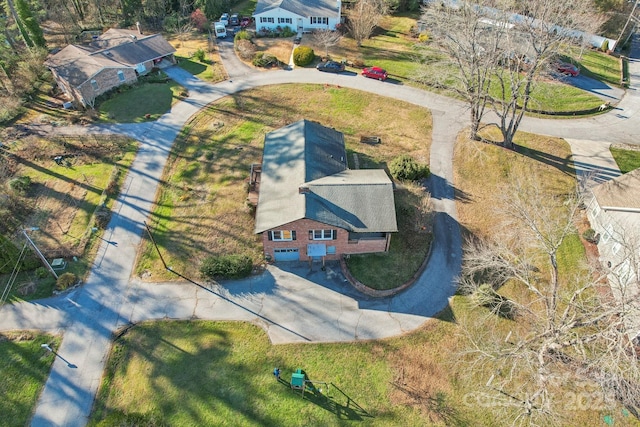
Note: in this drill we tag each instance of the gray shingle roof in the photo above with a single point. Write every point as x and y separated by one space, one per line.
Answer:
305 8
621 192
308 154
115 48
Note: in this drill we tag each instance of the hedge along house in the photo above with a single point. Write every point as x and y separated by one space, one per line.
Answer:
614 214
300 15
311 206
117 57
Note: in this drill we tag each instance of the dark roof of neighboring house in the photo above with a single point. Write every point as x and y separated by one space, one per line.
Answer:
116 48
309 155
303 8
621 192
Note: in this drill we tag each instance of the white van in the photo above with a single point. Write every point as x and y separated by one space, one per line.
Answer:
220 29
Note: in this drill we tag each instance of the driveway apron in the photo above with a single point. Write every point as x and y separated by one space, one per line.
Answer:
320 306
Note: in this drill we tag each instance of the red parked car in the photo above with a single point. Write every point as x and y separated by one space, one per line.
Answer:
567 69
375 73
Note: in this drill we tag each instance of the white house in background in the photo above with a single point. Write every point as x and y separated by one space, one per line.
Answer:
614 214
299 15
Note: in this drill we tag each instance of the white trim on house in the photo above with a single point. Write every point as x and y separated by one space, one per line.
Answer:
301 15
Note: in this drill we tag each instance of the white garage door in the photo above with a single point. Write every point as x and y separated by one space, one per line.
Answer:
286 254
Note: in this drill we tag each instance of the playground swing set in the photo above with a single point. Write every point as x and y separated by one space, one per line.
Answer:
300 381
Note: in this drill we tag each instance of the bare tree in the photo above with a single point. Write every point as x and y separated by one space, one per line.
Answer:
364 17
327 38
568 327
470 47
499 49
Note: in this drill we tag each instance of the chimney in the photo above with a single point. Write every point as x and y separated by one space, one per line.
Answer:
138 26
303 189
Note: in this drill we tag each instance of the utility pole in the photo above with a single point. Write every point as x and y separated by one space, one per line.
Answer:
37 251
631 16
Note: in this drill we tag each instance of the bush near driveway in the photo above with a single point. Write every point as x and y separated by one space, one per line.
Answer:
303 56
226 267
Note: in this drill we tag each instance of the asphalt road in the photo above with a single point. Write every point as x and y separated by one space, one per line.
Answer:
320 306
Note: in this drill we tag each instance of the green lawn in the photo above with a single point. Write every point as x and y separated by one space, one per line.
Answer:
205 373
64 201
627 160
140 103
597 65
25 367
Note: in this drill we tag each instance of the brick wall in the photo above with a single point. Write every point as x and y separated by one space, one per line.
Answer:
342 243
107 79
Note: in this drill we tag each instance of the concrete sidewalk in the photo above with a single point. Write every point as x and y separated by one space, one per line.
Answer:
321 307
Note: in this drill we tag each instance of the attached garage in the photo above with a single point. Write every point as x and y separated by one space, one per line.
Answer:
290 254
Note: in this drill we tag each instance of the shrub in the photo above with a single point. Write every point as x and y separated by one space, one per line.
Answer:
20 184
242 35
41 272
423 37
303 55
65 281
199 55
590 235
405 168
287 32
263 59
226 267
246 50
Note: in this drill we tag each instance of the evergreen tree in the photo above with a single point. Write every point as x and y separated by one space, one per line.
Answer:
30 24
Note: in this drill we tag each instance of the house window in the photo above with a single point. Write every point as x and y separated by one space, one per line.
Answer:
331 250
616 248
284 21
608 233
141 68
319 20
120 75
266 20
94 84
322 234
282 235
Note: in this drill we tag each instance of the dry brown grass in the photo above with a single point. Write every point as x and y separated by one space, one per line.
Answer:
281 48
484 171
202 209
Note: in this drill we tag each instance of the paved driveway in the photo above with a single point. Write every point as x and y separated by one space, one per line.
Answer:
292 303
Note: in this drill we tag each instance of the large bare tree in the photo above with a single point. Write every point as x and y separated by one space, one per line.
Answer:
364 17
498 49
327 38
568 326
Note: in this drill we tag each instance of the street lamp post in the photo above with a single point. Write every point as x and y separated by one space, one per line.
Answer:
48 347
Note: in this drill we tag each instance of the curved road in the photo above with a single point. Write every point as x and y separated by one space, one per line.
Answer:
320 306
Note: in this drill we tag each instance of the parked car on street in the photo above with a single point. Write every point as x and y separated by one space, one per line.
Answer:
330 67
234 20
375 73
224 19
567 69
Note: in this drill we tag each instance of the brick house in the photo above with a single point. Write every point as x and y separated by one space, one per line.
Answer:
311 205
114 58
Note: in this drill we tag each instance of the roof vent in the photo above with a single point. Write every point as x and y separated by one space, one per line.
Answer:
303 189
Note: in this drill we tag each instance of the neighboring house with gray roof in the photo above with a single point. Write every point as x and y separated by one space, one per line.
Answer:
614 214
299 15
117 57
311 205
